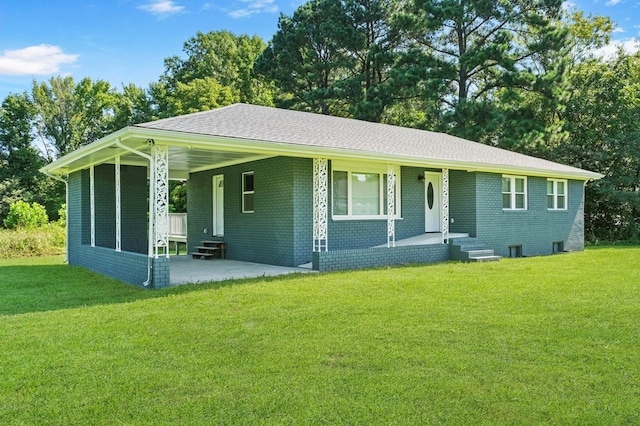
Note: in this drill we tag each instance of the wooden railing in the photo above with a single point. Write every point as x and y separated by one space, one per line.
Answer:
177 225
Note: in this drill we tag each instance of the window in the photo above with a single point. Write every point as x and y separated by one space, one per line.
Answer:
556 194
557 247
247 192
515 251
514 193
361 191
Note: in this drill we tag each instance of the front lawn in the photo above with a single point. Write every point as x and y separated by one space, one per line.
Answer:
548 340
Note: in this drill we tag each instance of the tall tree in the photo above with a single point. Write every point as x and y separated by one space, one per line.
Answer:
601 118
334 57
217 71
70 115
478 47
306 57
19 161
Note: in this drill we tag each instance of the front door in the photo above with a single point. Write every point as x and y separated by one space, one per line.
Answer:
432 201
218 205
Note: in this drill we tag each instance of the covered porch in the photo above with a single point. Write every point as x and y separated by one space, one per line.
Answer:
186 270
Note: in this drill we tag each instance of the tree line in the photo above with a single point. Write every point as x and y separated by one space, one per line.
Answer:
520 75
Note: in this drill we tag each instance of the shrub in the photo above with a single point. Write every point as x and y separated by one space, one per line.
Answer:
44 241
24 215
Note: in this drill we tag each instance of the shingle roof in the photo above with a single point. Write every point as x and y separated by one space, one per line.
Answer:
294 128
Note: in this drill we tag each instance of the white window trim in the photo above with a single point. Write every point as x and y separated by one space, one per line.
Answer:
555 195
355 167
512 193
244 192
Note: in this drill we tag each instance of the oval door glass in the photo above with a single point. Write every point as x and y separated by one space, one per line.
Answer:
430 195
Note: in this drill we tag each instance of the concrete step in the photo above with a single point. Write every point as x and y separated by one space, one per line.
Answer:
201 255
472 247
492 258
480 252
207 249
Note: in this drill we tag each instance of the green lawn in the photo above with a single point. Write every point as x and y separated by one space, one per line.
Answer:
547 340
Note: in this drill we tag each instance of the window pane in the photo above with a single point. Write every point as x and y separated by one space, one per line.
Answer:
550 201
365 196
340 196
561 202
519 185
506 201
549 187
560 188
519 201
248 182
506 184
248 202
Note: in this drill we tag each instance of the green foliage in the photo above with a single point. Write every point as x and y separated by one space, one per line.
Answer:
44 241
26 216
62 215
333 57
178 196
601 119
217 71
71 114
477 48
513 342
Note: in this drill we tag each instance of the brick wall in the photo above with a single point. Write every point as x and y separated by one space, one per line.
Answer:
351 234
374 257
536 228
462 202
105 205
267 235
127 266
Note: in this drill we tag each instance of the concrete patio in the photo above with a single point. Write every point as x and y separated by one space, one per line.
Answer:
185 270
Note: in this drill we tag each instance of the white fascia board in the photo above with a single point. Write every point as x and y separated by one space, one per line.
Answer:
93 147
271 148
288 149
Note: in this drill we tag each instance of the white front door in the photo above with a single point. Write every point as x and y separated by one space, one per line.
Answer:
218 205
432 201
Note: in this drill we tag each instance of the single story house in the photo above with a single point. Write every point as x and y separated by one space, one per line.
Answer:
289 188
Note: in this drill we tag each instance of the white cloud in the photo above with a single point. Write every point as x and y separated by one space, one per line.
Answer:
613 2
162 8
43 59
254 7
629 46
618 30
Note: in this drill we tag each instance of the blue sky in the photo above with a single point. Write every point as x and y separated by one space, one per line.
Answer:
126 41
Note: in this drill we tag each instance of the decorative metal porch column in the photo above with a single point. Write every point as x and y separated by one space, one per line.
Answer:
445 205
118 207
92 204
159 179
391 205
320 204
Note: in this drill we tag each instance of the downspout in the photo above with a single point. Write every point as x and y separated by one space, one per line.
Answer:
151 192
66 207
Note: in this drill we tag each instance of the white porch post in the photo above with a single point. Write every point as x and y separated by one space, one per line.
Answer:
320 203
159 181
445 205
118 207
391 203
92 204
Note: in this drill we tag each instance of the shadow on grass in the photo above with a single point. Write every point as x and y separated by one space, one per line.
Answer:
39 288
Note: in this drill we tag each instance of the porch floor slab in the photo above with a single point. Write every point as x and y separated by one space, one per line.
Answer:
185 270
424 239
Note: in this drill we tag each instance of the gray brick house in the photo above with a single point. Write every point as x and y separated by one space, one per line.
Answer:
290 188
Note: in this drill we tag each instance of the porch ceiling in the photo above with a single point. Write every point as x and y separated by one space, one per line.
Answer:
183 159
